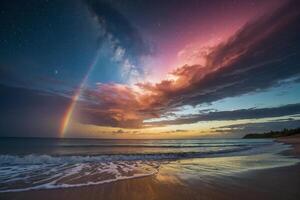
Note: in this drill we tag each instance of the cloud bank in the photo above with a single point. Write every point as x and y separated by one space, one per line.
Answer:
260 55
252 113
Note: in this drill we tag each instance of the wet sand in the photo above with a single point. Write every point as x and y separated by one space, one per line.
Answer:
275 183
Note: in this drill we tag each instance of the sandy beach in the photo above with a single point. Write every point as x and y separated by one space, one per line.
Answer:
272 183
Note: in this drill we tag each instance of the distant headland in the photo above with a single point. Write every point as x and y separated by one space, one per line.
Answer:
273 134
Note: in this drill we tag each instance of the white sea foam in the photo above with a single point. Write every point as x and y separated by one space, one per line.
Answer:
50 176
53 185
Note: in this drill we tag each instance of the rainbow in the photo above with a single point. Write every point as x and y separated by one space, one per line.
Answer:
69 112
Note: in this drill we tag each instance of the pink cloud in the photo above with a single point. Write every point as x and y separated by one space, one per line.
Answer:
252 59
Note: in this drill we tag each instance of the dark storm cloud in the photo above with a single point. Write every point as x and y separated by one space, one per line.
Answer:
260 55
251 113
117 27
257 57
26 112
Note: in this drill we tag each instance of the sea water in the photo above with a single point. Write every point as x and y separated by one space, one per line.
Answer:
35 163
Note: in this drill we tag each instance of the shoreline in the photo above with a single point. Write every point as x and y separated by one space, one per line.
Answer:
271 183
294 141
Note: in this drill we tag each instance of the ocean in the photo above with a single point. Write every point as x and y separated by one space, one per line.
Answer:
36 163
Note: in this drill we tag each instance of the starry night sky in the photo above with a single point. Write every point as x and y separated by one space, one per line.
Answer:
148 69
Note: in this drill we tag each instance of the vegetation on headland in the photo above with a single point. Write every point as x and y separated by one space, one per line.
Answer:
273 134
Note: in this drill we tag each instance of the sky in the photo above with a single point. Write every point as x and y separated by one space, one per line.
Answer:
134 69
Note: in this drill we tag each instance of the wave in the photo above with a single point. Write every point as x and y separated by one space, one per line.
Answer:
53 186
70 175
34 172
48 159
169 144
11 159
151 146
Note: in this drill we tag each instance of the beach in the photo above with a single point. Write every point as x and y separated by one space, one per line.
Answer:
270 183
